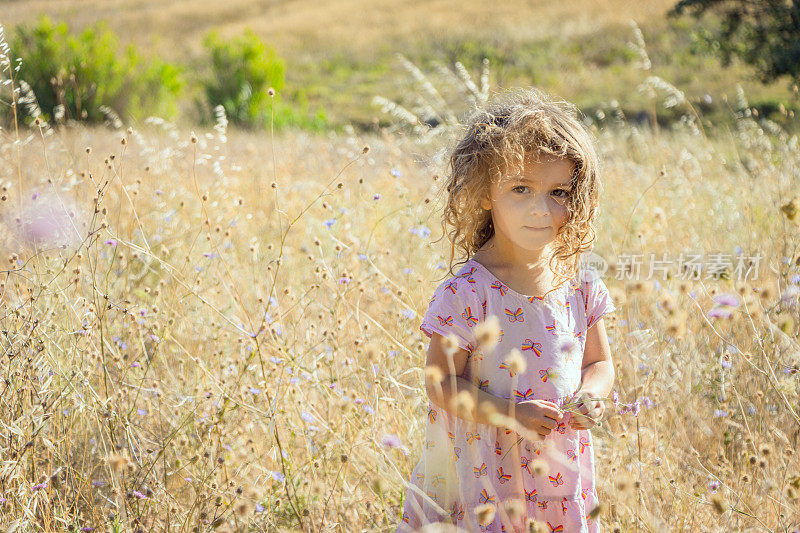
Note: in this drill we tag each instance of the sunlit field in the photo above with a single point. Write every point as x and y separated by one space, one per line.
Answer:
218 330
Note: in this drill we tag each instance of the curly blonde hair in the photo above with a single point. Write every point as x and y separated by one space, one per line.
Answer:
495 142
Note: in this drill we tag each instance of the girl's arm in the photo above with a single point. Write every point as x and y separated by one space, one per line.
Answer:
443 382
597 372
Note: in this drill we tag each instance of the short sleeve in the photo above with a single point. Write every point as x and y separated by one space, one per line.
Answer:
598 300
454 309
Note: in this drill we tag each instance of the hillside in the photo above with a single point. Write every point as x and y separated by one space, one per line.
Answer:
341 53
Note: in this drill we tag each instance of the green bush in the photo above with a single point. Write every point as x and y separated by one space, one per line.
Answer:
85 72
241 72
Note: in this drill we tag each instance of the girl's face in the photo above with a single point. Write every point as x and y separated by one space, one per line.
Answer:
529 209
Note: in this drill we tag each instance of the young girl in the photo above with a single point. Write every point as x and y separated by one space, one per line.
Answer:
518 360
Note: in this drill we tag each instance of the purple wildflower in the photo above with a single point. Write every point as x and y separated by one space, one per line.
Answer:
111 242
719 413
727 298
139 495
376 196
330 222
308 417
713 485
636 407
391 441
39 486
277 476
718 312
396 173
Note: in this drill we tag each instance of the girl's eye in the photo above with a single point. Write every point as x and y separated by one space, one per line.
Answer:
516 189
564 191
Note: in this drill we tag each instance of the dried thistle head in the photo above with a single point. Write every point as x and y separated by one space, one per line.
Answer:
514 508
485 513
487 333
719 504
539 467
535 526
516 362
462 403
433 374
118 462
450 344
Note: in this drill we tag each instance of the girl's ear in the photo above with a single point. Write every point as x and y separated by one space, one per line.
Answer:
486 203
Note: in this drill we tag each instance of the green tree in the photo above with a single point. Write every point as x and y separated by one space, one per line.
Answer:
84 72
763 33
242 70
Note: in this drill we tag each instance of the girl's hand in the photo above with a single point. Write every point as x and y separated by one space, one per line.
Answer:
588 413
540 416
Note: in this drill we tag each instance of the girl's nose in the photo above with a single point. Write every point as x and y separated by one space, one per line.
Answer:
539 205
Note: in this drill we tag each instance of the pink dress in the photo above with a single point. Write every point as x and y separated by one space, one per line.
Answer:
464 464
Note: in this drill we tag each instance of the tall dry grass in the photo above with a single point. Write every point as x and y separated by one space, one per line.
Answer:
220 330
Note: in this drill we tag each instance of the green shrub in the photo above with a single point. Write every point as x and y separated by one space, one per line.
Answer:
242 70
85 72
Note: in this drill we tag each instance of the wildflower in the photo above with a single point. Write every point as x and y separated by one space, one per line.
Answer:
719 413
277 476
636 407
391 441
421 231
376 196
396 173
111 242
329 222
253 390
718 312
39 486
141 412
725 363
713 485
727 298
139 495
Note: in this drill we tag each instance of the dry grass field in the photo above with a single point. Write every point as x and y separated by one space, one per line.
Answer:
223 334
217 330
